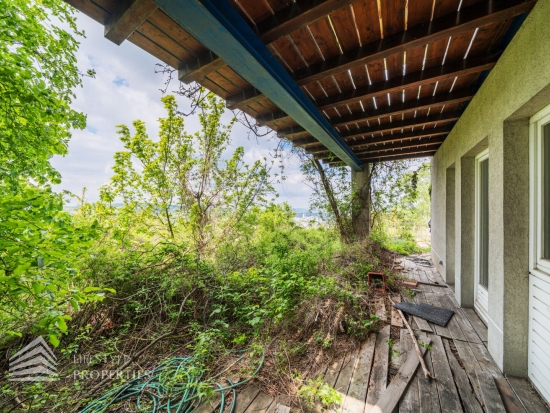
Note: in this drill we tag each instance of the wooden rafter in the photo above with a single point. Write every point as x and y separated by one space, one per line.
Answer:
127 19
386 128
376 150
444 27
411 80
387 159
420 133
393 110
298 14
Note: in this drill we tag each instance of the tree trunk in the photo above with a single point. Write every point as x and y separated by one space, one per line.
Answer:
360 218
344 233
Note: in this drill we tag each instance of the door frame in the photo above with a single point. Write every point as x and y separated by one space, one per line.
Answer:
539 267
481 294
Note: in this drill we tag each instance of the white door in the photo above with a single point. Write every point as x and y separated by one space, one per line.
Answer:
539 251
481 261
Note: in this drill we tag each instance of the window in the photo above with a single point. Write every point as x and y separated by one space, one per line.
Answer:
481 240
540 191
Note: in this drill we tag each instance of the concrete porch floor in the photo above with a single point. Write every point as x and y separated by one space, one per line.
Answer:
466 377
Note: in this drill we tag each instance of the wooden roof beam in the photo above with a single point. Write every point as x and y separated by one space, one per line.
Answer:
397 137
127 19
395 109
468 18
390 156
392 146
295 16
218 26
397 84
387 159
424 121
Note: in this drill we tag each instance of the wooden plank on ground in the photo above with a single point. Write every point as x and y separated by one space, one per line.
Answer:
245 398
448 395
427 389
354 401
344 378
528 396
485 360
511 402
261 403
410 402
211 405
440 331
420 322
465 325
452 325
491 397
470 364
379 376
479 327
469 400
396 319
391 396
380 308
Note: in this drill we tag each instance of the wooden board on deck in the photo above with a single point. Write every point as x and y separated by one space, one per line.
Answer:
410 402
379 376
446 388
528 396
396 319
468 396
491 398
245 398
380 308
354 402
475 321
391 396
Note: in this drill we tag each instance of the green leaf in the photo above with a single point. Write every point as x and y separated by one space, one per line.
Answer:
54 340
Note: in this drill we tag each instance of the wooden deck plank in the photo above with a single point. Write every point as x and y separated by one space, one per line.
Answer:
380 309
346 372
210 405
470 364
354 401
485 360
427 389
440 331
420 322
463 321
410 402
452 325
491 398
448 395
469 400
511 402
528 396
379 376
245 398
389 400
261 403
396 319
475 321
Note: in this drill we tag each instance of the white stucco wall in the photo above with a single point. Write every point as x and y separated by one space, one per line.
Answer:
496 118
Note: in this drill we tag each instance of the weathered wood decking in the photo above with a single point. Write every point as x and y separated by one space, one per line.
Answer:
466 377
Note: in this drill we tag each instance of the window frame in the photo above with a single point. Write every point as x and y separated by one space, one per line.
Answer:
537 263
481 297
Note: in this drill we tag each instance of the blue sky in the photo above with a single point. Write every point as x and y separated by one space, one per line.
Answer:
126 88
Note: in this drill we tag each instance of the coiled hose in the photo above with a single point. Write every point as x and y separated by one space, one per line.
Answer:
171 387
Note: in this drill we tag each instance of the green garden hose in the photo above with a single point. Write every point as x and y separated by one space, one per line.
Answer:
171 387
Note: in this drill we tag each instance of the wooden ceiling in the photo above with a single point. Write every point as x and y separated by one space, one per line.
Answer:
390 76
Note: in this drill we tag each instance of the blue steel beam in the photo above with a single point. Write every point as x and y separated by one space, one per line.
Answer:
217 25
